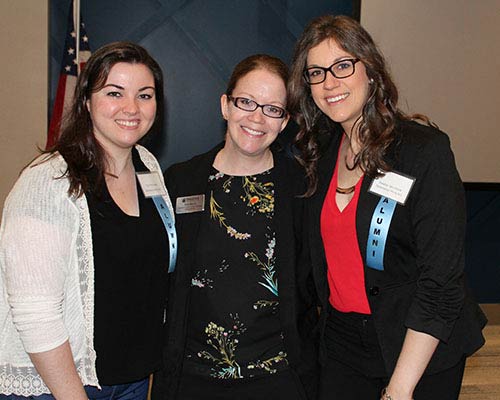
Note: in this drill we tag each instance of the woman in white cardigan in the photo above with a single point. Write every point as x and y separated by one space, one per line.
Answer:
84 253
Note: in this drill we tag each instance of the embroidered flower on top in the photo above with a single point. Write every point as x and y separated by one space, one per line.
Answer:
267 364
201 280
225 342
268 266
217 214
216 176
258 196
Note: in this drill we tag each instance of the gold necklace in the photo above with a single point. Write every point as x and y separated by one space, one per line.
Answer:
348 190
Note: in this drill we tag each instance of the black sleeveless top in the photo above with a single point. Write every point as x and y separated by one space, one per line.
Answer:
131 262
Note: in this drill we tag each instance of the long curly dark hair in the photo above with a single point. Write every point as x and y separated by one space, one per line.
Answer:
380 112
77 144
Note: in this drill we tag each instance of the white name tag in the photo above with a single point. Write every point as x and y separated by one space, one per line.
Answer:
393 185
151 184
190 204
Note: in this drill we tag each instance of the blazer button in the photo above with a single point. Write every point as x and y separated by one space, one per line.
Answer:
374 291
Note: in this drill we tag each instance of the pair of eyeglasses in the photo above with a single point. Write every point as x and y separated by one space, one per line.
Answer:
249 105
340 70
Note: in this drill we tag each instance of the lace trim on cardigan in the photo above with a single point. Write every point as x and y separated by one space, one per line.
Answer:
87 370
24 381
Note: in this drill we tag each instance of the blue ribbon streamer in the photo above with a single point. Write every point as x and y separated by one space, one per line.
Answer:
169 224
377 236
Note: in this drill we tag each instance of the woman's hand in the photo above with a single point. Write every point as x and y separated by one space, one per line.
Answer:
385 395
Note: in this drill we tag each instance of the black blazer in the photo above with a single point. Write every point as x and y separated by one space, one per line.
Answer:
297 312
422 285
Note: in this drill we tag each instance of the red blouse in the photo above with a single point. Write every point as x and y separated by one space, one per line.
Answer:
345 266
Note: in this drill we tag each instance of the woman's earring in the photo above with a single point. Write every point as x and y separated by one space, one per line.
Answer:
371 80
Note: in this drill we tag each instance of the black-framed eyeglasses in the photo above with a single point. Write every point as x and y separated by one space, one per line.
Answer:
249 105
340 70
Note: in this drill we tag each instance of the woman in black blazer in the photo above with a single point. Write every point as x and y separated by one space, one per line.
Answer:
386 224
238 326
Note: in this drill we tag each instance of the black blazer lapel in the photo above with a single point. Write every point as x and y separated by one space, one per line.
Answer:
187 225
283 214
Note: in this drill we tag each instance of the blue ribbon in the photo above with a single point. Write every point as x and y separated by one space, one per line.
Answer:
169 224
377 236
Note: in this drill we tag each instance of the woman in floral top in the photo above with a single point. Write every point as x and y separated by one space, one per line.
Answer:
239 291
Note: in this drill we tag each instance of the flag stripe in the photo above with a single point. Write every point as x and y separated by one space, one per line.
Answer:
57 112
68 75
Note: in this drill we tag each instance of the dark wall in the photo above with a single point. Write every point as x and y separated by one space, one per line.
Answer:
197 43
482 243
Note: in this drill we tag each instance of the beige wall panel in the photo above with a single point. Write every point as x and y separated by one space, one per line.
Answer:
445 58
23 88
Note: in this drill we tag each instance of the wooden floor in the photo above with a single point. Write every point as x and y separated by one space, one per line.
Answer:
482 371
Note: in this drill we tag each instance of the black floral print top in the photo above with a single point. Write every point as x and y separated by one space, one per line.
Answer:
233 326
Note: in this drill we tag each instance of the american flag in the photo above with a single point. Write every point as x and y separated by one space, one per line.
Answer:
74 58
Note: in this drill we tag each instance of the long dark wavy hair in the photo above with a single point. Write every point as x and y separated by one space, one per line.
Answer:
77 144
380 112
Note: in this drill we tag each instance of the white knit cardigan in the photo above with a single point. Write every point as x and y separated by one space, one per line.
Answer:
47 275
